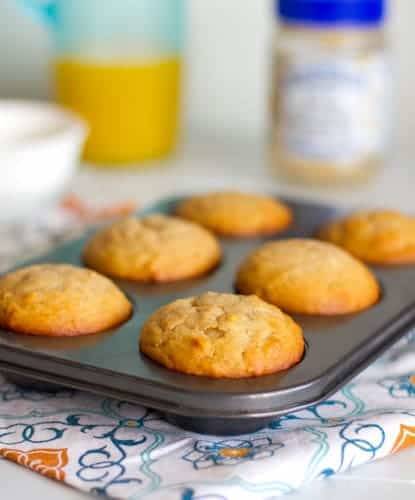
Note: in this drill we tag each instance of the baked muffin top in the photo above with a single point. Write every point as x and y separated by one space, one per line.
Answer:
383 237
236 214
222 336
156 248
309 277
60 300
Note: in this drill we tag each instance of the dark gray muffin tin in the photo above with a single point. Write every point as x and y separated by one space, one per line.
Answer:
110 364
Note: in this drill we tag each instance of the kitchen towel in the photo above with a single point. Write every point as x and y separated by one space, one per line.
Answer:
119 450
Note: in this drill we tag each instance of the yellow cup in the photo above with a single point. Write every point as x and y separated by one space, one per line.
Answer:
131 105
118 65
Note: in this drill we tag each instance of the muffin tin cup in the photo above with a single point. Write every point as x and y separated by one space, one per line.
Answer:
110 364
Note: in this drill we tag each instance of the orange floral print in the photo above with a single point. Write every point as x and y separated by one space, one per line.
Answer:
234 452
87 213
48 462
405 439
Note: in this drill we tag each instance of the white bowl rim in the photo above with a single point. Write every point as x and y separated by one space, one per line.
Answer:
68 121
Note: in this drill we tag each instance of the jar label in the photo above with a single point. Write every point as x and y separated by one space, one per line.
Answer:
333 110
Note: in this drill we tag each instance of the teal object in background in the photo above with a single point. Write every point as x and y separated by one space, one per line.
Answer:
155 26
118 65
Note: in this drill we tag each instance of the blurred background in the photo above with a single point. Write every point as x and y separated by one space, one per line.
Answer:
221 35
228 55
229 50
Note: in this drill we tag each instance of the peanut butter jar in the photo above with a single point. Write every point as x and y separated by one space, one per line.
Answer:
330 90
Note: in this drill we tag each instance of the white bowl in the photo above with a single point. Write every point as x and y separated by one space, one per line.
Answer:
40 147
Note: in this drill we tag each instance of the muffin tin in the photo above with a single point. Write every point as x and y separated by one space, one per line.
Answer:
110 363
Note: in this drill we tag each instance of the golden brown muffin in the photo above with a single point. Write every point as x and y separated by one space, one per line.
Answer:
231 213
383 237
308 277
60 300
222 336
157 248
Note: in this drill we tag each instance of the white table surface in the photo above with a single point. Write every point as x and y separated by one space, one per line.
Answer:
202 165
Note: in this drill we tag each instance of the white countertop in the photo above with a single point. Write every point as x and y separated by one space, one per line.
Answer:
207 163
202 165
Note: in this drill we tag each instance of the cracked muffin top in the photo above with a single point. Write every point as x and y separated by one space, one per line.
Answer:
236 214
384 237
306 276
222 336
60 300
156 248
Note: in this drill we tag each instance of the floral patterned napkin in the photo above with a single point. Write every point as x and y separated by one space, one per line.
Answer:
116 449
119 450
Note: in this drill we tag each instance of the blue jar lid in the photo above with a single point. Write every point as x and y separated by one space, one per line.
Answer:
350 12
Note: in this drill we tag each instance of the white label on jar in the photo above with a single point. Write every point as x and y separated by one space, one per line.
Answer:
334 110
